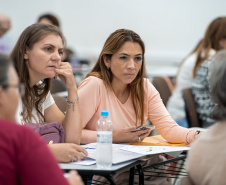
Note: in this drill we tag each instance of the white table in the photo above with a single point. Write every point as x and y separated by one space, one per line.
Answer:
90 171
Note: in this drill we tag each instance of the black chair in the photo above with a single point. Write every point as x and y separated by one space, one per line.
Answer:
164 86
190 108
163 169
60 102
57 86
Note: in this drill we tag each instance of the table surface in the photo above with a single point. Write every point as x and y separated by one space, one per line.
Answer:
94 170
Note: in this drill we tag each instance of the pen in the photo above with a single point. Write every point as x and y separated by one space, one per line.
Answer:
89 148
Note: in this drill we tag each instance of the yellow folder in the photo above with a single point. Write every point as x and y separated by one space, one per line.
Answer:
157 140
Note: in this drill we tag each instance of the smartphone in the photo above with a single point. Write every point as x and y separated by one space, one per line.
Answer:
144 127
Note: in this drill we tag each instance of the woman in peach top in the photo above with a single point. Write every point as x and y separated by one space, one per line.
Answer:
117 83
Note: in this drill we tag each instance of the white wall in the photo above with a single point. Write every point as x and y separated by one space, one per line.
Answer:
169 28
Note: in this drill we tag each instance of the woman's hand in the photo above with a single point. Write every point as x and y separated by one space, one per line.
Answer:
128 135
74 178
72 121
65 73
66 152
196 136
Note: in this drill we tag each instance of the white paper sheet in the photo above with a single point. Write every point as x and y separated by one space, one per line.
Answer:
118 155
125 152
86 161
149 150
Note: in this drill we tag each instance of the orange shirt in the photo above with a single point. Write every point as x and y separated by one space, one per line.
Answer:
94 97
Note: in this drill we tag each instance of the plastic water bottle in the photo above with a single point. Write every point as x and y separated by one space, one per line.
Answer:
104 141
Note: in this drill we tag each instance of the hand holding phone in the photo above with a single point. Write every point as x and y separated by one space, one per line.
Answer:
144 127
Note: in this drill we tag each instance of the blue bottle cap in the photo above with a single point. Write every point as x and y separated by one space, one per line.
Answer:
104 113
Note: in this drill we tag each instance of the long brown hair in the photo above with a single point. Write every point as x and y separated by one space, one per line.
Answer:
113 43
34 96
214 33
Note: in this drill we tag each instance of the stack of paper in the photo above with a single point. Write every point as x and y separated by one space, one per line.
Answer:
125 152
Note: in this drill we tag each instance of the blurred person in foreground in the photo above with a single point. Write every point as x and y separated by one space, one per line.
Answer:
209 150
184 79
21 148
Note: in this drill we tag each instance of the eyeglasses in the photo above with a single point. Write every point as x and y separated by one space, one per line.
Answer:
20 87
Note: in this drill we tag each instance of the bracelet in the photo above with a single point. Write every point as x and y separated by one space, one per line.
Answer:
72 102
197 133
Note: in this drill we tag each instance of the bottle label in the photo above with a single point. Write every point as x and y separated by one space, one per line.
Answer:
104 137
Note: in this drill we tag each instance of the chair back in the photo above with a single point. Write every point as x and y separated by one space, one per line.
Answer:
60 102
164 86
190 108
57 86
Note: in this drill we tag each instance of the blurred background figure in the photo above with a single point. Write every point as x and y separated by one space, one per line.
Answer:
184 79
209 150
22 149
5 25
213 41
193 73
67 56
49 19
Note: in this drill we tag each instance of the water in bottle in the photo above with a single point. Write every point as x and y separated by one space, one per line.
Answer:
104 141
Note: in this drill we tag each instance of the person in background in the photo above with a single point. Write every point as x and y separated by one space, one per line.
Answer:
67 56
49 19
5 25
20 150
214 40
184 79
209 150
118 84
37 58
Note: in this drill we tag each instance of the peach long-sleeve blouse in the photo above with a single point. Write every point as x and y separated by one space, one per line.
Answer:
94 97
